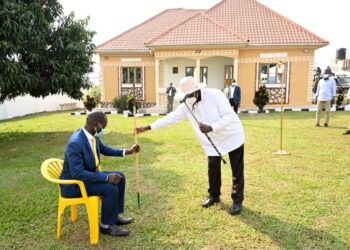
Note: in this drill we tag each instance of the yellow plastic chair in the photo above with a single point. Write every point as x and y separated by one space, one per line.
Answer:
51 170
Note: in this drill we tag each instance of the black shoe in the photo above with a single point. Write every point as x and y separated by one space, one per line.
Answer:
326 125
123 221
347 132
236 209
317 125
114 230
210 201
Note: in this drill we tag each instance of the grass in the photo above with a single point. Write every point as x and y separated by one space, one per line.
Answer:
299 201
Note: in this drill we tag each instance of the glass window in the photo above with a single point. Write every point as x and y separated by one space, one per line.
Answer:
189 71
125 75
228 72
204 74
138 75
132 75
272 73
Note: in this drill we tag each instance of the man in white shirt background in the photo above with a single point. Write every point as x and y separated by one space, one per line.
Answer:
347 132
326 91
221 123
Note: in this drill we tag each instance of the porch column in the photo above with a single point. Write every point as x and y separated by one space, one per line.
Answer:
235 69
156 65
198 70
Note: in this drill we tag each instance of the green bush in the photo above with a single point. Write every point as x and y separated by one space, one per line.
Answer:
339 99
261 98
89 102
95 92
121 103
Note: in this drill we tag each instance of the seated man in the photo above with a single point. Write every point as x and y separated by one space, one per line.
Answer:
81 162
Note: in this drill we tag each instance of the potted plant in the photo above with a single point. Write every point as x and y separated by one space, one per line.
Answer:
120 103
261 98
89 102
339 100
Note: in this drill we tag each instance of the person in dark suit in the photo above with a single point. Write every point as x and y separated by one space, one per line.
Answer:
81 162
170 91
233 94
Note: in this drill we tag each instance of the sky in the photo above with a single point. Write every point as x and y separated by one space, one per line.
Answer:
327 19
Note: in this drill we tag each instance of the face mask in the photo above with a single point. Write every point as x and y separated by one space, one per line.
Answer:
326 76
99 133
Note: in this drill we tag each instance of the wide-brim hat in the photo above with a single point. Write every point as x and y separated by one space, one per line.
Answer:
188 85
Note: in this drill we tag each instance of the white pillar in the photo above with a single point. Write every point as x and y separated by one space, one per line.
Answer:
235 69
156 65
198 70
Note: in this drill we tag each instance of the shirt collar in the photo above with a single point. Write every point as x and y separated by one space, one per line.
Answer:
88 135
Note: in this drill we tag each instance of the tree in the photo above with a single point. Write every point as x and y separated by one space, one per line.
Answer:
42 52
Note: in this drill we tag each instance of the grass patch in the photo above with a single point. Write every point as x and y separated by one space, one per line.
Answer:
299 201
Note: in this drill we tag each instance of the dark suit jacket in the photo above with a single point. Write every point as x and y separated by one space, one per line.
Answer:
236 94
79 161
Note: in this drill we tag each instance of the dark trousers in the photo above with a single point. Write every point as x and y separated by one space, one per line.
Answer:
234 106
237 166
170 104
112 198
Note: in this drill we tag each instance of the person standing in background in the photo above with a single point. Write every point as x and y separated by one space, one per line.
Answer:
326 92
170 91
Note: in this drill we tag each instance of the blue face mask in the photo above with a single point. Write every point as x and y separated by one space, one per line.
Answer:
99 133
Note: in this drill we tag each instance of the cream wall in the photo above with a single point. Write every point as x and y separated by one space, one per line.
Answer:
215 70
300 74
110 74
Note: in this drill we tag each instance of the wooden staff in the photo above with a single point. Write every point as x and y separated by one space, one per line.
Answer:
136 161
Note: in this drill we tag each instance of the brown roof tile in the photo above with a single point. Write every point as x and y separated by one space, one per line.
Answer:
228 22
134 38
260 24
198 29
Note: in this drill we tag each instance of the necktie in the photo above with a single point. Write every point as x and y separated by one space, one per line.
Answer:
97 161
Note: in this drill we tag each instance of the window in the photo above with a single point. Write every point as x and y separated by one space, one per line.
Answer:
189 71
204 74
132 75
271 74
228 71
175 70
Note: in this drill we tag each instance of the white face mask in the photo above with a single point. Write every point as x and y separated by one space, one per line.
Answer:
325 76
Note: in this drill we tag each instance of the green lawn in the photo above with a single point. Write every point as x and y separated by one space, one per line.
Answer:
299 201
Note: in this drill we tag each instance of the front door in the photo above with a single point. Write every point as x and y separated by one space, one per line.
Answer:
132 82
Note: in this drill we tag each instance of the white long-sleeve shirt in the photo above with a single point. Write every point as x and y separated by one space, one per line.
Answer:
214 110
326 89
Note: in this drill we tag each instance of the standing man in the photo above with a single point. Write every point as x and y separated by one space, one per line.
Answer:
233 94
347 132
326 92
81 162
218 120
170 91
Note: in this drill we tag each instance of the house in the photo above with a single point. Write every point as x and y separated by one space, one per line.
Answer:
235 39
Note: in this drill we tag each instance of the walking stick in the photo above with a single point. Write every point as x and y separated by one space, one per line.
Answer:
209 139
136 162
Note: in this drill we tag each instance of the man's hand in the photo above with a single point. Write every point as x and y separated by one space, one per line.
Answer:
114 178
205 128
134 149
139 130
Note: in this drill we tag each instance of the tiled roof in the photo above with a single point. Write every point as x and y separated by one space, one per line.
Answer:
198 29
260 24
228 22
134 38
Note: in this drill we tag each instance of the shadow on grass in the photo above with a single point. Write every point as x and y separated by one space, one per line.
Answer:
288 235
